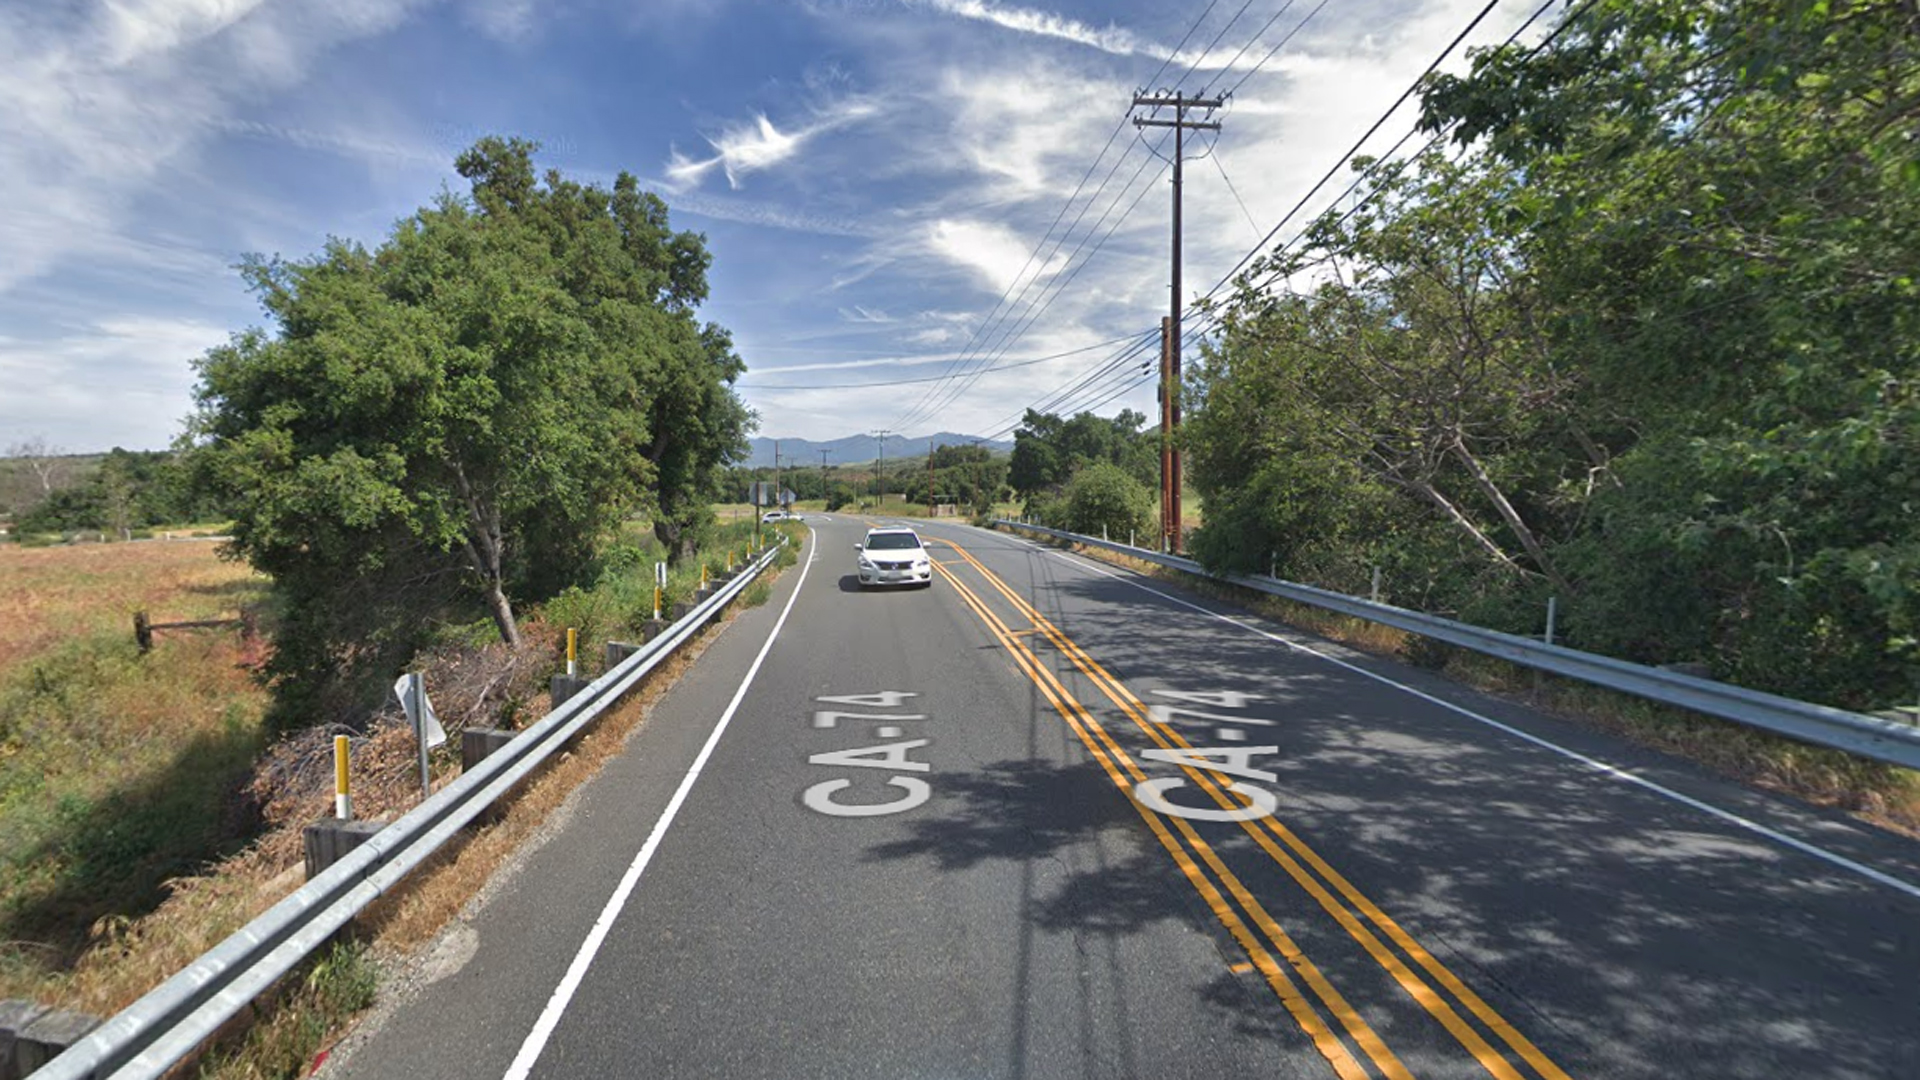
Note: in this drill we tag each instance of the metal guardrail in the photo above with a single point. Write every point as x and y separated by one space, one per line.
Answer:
1867 736
157 1031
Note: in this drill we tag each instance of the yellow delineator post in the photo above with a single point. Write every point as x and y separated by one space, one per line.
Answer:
342 798
572 642
703 575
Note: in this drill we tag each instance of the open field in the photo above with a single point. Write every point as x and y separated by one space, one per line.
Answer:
143 813
118 771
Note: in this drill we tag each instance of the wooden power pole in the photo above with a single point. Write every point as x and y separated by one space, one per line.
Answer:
1170 457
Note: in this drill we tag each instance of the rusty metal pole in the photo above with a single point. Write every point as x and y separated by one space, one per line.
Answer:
1166 433
1173 331
1171 458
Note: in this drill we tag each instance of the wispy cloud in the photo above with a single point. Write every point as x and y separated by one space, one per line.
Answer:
132 367
858 314
1111 39
997 254
92 110
509 21
757 145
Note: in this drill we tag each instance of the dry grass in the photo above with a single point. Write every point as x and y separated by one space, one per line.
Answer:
1884 796
291 785
117 771
48 595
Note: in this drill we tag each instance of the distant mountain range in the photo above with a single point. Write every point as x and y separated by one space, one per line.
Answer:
858 449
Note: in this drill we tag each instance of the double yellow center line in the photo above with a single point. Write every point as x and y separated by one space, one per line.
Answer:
1362 919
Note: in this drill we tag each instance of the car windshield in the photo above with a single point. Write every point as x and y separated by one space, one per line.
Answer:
892 541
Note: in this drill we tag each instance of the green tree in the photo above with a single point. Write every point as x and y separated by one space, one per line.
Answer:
1105 498
464 413
1645 337
1049 450
1724 203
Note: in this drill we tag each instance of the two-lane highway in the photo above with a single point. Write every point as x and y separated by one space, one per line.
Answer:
1048 818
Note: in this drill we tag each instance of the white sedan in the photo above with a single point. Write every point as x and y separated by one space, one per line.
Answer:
894 556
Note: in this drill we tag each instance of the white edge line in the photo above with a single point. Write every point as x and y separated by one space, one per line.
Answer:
570 983
1728 816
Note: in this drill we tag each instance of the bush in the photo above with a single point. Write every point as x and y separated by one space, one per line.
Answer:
1105 498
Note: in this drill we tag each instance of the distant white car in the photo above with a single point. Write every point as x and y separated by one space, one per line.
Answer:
894 556
774 515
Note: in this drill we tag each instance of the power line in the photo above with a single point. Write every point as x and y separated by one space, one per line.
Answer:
1236 193
1077 387
917 410
1281 44
1198 60
1011 332
930 378
935 400
1271 19
1387 161
1360 142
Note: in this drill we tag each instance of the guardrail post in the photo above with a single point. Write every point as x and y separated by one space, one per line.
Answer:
563 687
1553 610
1375 595
618 651
15 1015
45 1037
680 609
652 628
330 840
477 744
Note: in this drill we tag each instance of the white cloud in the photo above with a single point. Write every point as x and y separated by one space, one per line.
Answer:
93 112
509 21
997 254
124 380
1112 39
132 29
759 145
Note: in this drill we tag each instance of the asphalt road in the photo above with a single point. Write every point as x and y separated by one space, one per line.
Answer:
1051 819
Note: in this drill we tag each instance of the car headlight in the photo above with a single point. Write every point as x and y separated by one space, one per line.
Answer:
865 564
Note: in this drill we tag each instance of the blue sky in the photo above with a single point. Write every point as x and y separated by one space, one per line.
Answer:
875 178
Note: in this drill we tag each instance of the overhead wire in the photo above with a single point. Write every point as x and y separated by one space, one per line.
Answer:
1264 27
1234 59
1384 161
933 378
1011 332
917 410
1372 129
1076 389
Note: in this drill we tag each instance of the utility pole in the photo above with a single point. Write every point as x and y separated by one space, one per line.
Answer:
1170 456
880 472
776 474
826 492
930 495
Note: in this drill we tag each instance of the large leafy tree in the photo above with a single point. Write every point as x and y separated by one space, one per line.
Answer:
1662 293
1048 449
1724 200
462 414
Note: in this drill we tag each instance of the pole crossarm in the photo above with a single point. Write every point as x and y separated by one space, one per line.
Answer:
1190 125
